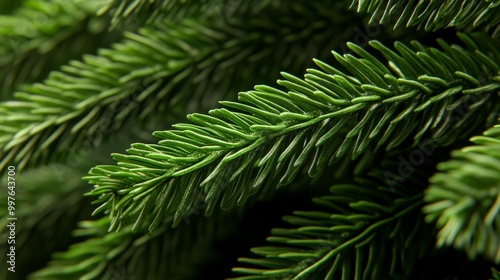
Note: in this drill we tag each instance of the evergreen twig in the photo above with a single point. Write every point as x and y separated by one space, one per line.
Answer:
267 137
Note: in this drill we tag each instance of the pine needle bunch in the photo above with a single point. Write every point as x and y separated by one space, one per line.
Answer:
152 141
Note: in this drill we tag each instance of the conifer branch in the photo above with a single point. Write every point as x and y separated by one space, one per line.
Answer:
162 254
147 11
267 137
349 235
464 198
41 36
433 15
152 73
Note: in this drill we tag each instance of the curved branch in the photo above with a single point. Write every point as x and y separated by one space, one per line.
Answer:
270 135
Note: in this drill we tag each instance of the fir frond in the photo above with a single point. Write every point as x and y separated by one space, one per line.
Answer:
359 231
433 15
163 254
153 73
464 198
41 36
269 136
147 11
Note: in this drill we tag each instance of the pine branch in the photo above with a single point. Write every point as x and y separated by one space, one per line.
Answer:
147 11
348 236
151 74
464 198
41 36
433 15
162 254
109 254
267 137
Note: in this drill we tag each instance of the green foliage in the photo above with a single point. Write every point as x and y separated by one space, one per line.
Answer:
42 35
161 254
359 231
267 137
104 91
434 15
149 11
77 74
464 198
